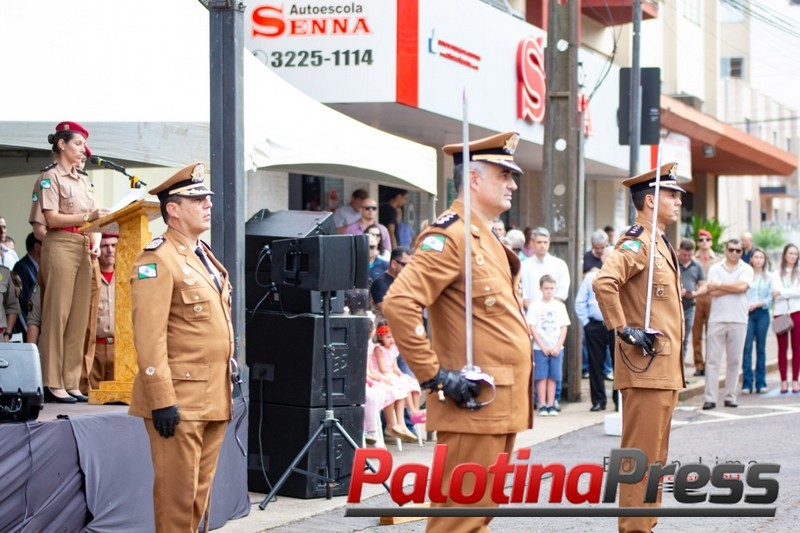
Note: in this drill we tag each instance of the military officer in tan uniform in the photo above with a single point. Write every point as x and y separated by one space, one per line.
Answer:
9 304
183 336
103 361
434 279
648 366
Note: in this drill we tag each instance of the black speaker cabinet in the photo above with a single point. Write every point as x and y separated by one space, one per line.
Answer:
265 227
285 298
21 392
320 263
287 361
278 433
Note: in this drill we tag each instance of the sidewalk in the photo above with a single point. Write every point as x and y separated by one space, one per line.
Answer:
574 416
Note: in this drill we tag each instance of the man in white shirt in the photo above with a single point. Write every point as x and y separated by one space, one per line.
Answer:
8 257
543 263
727 284
348 213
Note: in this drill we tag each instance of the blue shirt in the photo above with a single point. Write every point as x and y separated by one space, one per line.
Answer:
377 268
586 306
760 290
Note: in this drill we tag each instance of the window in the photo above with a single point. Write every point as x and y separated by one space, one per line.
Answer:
732 67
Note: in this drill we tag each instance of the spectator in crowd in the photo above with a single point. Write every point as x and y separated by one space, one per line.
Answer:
527 249
102 368
747 246
68 202
400 258
377 266
599 339
347 214
692 285
592 258
516 240
8 257
786 295
548 320
386 354
611 234
706 257
369 208
759 299
27 268
405 232
377 396
375 231
499 228
9 304
728 282
543 263
387 214
34 316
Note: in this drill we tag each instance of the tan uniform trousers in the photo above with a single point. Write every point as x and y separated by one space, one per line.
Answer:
469 448
646 416
103 365
183 468
67 274
701 310
91 330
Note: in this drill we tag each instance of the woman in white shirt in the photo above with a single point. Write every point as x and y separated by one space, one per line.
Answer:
786 292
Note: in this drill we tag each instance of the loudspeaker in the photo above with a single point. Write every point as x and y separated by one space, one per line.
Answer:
281 431
321 263
285 298
651 106
265 227
287 360
21 392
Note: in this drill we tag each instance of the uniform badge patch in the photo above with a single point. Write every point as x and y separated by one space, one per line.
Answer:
445 220
635 230
45 183
633 246
155 243
35 197
148 271
433 243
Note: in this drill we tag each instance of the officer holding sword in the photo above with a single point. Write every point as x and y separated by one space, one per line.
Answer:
478 408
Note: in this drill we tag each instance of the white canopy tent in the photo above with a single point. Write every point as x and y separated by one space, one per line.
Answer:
136 75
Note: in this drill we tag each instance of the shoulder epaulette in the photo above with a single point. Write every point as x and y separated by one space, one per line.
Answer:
155 243
48 167
635 230
445 220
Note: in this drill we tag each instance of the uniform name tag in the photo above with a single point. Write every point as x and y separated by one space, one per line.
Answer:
147 271
434 243
633 246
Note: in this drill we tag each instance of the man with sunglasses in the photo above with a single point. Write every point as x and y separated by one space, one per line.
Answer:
380 285
706 257
728 282
369 217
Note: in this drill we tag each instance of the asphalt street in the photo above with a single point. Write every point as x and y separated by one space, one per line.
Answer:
764 428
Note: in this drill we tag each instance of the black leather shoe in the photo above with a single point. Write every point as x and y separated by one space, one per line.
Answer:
699 372
709 405
731 404
598 407
80 397
50 397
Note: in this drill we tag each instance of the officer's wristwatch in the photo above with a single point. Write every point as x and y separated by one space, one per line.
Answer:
86 217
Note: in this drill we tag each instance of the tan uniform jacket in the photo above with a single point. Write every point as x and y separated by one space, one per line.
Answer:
65 193
621 290
182 332
434 279
9 303
105 308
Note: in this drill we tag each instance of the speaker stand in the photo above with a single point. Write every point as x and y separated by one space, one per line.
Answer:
328 424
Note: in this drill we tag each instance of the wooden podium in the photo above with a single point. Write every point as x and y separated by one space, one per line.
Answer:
132 224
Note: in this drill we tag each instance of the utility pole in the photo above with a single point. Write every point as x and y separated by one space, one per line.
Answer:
562 201
226 33
635 128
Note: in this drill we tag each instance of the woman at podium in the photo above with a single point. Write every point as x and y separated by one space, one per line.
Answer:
68 202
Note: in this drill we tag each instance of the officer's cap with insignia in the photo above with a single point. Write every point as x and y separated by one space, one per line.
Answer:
187 183
669 179
498 149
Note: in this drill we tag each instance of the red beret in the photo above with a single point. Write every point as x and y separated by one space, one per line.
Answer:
87 151
703 233
73 127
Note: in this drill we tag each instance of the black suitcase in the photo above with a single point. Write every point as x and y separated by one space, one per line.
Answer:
21 391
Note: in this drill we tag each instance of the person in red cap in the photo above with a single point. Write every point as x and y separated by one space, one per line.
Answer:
101 363
67 203
706 257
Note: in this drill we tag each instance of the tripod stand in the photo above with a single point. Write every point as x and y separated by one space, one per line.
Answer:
327 425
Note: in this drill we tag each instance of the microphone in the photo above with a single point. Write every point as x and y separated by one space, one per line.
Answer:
100 162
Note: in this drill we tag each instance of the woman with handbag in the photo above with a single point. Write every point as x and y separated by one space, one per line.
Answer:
759 298
786 293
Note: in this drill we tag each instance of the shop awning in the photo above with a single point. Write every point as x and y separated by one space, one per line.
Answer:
136 74
722 149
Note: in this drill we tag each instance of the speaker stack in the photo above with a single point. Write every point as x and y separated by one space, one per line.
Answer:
286 350
21 391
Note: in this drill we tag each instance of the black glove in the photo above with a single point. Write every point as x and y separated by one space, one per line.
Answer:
638 337
454 386
165 420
